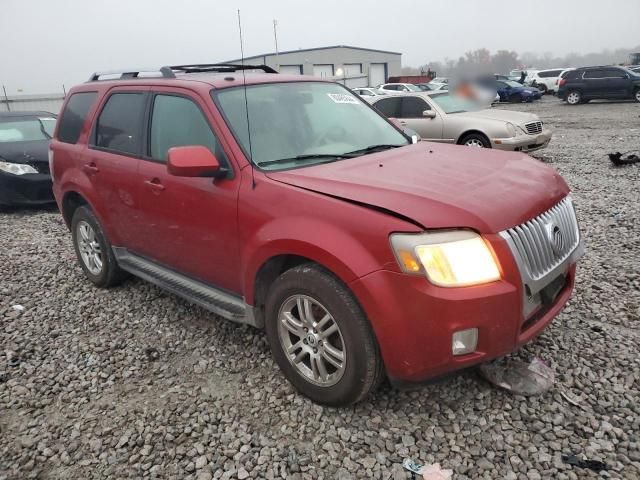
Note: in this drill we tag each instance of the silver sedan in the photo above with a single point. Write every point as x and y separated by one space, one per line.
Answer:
442 117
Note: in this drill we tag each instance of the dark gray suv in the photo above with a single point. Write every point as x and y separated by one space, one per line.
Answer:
589 83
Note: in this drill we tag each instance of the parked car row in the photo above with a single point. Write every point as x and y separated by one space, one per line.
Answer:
299 208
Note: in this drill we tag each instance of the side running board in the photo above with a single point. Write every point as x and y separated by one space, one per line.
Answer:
217 301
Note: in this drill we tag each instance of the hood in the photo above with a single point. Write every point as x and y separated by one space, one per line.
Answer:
25 152
439 185
516 118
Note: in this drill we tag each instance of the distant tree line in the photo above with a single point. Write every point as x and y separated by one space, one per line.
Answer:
503 61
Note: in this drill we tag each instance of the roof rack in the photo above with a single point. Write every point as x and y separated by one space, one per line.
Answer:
168 72
165 72
219 67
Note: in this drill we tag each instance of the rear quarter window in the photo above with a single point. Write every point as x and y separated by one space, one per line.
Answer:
74 115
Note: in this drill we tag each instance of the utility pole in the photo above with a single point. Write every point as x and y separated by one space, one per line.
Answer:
275 37
6 99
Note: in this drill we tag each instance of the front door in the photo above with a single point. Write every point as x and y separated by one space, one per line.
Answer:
412 116
189 224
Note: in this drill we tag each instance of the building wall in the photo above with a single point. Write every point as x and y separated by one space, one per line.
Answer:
337 57
21 103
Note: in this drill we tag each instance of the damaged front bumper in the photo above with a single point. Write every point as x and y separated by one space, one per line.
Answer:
28 189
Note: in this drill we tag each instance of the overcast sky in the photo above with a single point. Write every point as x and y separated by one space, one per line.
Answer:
45 43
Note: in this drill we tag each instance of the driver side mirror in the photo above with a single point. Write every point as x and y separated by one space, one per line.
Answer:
429 114
194 161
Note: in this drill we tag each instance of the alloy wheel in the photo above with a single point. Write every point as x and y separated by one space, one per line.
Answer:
89 247
638 95
311 340
474 142
573 98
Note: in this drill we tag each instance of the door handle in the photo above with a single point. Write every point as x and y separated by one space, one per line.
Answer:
155 185
90 168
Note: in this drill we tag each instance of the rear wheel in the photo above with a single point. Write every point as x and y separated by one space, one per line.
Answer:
320 337
542 88
574 97
475 140
94 250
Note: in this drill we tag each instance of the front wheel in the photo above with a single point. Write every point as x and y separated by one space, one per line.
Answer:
475 140
636 95
515 98
574 97
542 87
320 337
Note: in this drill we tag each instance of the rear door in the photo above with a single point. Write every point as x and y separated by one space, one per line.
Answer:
112 159
595 84
188 224
617 83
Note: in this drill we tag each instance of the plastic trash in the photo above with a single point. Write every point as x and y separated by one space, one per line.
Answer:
19 308
521 378
595 465
428 472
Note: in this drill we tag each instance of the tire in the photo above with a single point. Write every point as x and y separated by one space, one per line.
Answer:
574 97
515 98
91 243
475 140
542 87
320 296
636 95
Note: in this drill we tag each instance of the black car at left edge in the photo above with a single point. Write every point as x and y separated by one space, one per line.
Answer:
24 158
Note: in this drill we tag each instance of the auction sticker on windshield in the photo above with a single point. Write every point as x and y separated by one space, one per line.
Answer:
342 98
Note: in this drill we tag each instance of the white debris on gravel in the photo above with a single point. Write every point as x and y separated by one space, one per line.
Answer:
80 398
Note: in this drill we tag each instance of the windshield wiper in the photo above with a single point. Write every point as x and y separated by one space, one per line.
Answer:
311 156
373 148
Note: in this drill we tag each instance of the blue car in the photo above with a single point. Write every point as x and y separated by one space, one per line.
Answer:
514 92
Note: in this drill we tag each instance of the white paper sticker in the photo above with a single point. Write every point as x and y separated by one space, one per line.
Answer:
343 98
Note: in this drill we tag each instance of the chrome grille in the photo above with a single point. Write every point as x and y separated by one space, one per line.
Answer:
546 241
533 127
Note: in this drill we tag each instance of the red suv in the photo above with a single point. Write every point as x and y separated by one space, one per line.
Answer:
286 202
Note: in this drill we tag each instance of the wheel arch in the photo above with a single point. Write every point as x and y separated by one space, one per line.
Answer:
71 201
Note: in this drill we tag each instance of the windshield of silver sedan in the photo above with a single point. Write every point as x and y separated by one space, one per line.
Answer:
455 103
295 124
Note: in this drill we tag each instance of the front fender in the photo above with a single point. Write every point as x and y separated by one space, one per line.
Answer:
342 253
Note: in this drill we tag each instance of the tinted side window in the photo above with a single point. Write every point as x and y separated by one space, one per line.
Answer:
614 73
391 87
74 115
594 74
119 125
413 107
389 107
178 122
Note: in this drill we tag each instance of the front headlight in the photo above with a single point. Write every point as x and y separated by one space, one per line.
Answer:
511 129
16 168
454 258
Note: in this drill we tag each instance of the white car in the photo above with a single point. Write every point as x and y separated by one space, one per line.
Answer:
399 87
440 80
547 80
368 91
529 73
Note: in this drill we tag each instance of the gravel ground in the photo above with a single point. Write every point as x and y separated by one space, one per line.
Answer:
133 382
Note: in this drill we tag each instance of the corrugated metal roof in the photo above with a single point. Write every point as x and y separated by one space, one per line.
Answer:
312 50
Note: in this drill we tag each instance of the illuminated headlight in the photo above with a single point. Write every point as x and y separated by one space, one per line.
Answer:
16 168
454 258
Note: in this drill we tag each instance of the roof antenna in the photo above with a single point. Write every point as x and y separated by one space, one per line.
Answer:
246 104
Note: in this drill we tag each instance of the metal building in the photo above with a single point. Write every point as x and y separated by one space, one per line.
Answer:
20 103
353 66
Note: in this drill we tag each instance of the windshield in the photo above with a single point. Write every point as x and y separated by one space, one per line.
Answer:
27 129
312 120
454 103
413 88
512 84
